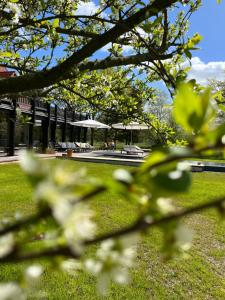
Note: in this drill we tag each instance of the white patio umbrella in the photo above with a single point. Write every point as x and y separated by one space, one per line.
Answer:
131 126
90 124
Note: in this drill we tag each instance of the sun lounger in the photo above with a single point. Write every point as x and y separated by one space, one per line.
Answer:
82 146
89 147
60 146
129 149
76 147
86 147
63 146
72 146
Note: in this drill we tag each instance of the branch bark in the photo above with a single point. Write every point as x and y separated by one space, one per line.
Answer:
139 225
121 61
142 224
63 71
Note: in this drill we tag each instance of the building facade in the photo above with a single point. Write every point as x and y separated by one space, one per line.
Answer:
46 124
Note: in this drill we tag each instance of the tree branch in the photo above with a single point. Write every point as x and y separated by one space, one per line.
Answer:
142 224
63 71
121 61
25 221
47 212
139 225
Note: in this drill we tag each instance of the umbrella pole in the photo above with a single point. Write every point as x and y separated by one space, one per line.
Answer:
131 137
126 137
92 136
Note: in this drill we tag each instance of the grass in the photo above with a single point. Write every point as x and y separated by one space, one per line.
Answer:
199 277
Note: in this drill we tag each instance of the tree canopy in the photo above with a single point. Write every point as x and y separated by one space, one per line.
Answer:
51 41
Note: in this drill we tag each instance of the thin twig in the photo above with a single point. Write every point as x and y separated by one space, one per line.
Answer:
140 225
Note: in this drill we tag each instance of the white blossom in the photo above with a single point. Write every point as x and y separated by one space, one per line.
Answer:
143 200
15 9
11 291
115 102
120 275
34 272
103 283
183 166
79 226
223 139
113 259
93 266
165 205
18 215
6 244
184 237
175 174
61 210
122 175
71 266
12 7
148 219
30 164
46 191
62 177
58 198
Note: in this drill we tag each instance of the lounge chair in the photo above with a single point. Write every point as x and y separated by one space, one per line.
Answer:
78 145
132 149
89 147
59 146
72 146
75 148
81 146
84 147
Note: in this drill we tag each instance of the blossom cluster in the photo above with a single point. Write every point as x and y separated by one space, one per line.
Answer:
61 191
14 9
112 262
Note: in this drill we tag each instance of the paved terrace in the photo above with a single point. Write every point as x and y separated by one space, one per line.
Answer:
15 158
116 158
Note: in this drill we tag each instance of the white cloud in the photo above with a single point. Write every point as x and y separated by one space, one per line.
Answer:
87 8
203 71
127 50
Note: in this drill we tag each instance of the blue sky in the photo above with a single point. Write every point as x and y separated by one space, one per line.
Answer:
209 61
209 21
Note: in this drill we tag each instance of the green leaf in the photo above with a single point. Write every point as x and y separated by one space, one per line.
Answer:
174 180
215 135
55 23
6 54
194 40
188 53
221 106
155 158
191 110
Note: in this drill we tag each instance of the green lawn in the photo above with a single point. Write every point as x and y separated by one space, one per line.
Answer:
199 277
